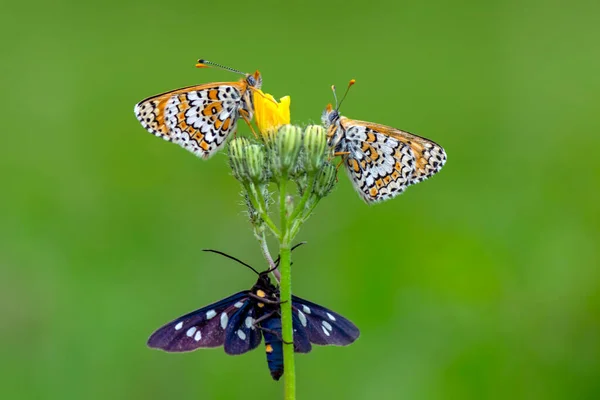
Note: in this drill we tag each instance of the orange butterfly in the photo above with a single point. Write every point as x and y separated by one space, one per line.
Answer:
381 161
200 118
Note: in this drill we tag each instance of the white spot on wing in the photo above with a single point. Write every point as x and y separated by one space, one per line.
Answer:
305 309
224 320
190 332
241 334
302 318
210 314
331 317
198 336
326 325
239 304
179 326
249 322
325 331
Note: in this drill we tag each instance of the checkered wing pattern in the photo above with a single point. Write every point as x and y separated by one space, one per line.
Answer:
198 118
382 161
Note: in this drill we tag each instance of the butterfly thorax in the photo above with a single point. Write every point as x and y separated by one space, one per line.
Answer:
252 81
331 121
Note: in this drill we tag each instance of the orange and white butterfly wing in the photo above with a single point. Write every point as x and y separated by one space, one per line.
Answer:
380 167
383 161
198 118
430 157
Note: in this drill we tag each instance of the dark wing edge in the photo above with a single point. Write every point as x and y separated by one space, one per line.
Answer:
323 326
204 327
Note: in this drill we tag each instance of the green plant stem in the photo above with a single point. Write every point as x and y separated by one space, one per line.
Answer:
282 207
289 370
302 219
258 202
267 254
300 207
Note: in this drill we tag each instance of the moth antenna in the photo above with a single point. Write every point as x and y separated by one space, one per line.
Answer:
297 245
205 64
233 258
352 82
292 249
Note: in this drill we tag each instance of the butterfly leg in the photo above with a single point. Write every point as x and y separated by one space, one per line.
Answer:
244 114
342 154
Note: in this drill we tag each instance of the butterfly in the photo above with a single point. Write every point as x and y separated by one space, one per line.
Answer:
239 322
381 161
200 118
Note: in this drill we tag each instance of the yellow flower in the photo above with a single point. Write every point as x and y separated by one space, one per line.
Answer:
270 114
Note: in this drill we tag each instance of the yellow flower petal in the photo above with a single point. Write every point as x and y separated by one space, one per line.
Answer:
270 115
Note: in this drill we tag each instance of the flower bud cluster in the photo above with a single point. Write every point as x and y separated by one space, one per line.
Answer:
289 154
292 152
248 161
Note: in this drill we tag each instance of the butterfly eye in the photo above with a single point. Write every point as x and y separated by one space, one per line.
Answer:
329 117
251 80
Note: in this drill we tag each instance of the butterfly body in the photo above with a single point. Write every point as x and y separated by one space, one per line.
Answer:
239 322
199 118
381 161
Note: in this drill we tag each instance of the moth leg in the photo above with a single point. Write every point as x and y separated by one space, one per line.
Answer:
266 301
278 334
257 321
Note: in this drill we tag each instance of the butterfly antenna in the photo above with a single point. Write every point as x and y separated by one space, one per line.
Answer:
352 82
205 64
233 258
334 96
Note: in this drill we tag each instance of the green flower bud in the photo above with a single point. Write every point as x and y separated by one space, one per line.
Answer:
326 180
237 153
286 149
247 161
315 144
254 162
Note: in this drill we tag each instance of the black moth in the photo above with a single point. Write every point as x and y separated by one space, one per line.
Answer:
239 322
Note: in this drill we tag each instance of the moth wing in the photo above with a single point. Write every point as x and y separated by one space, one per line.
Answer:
242 335
323 326
201 328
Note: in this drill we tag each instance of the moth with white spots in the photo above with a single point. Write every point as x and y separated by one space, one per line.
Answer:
245 317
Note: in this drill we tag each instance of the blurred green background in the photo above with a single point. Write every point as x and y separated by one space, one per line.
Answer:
482 282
